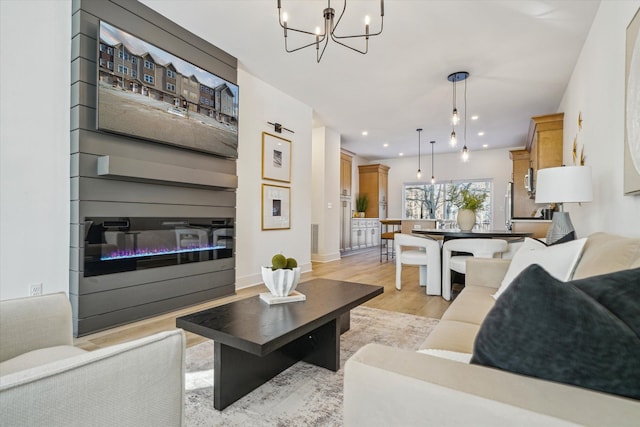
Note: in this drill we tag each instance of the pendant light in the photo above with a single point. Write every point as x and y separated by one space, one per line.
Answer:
454 78
433 178
419 174
465 150
454 115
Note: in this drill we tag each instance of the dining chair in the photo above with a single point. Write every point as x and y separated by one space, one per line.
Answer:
477 247
423 252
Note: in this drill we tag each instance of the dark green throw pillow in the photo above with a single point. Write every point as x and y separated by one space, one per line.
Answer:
585 333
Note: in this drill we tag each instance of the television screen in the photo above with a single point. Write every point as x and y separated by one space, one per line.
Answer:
149 93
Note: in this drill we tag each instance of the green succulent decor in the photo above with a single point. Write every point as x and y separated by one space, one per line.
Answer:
279 261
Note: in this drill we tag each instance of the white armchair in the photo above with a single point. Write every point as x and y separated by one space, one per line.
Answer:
479 248
421 251
46 381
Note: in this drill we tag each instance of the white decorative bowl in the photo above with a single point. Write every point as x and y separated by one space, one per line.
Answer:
281 282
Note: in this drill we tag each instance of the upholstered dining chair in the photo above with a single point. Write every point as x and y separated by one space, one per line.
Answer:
478 248
423 252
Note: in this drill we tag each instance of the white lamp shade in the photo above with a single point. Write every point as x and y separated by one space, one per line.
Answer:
564 184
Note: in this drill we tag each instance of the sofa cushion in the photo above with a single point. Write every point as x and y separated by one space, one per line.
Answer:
557 331
38 357
605 253
452 335
471 305
559 260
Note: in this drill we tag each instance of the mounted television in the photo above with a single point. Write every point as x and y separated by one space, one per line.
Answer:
149 93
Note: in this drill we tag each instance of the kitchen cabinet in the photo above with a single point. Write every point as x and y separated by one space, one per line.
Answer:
346 207
346 162
538 227
545 142
365 233
373 181
523 205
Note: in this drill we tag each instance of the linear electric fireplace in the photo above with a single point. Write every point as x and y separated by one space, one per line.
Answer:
152 220
116 245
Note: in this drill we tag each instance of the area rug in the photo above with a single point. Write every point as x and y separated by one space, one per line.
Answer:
304 394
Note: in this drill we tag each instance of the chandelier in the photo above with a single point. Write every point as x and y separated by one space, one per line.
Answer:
455 119
321 37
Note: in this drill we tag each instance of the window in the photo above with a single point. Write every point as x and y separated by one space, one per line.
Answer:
110 50
148 78
171 87
110 65
122 69
102 62
102 47
123 55
134 60
134 73
148 64
429 201
171 74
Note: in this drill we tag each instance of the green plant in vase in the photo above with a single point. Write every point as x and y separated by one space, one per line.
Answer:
362 201
282 277
467 201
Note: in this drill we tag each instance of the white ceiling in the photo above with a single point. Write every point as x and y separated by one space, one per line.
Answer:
520 55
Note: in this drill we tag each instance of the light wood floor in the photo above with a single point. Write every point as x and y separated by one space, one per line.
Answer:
362 267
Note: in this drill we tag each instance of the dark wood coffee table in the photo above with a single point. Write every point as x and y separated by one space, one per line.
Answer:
255 341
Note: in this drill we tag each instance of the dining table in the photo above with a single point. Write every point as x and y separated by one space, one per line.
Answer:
454 233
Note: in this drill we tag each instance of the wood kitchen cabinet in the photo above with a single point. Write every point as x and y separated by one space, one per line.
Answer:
374 182
545 142
523 205
346 209
345 174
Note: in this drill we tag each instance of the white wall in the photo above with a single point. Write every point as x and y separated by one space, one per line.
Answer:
35 41
482 164
325 203
596 90
261 103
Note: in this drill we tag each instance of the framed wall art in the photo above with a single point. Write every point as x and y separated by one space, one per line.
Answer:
276 158
632 109
276 207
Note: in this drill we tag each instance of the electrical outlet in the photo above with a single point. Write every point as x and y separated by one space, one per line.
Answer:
35 289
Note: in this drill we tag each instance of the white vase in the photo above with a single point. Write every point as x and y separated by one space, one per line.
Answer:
281 282
466 219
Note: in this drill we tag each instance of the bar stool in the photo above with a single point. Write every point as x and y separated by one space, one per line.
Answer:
387 236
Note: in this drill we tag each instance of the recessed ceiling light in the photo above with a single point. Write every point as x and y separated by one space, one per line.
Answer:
365 133
386 144
474 117
401 154
480 133
485 145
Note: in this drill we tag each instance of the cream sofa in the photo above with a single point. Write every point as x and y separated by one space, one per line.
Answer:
46 381
386 386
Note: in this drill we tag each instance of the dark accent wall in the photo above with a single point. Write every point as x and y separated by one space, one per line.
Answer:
152 179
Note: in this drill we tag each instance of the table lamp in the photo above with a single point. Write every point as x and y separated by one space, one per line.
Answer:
565 184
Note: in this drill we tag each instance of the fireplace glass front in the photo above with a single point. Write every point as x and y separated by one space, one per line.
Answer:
116 245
